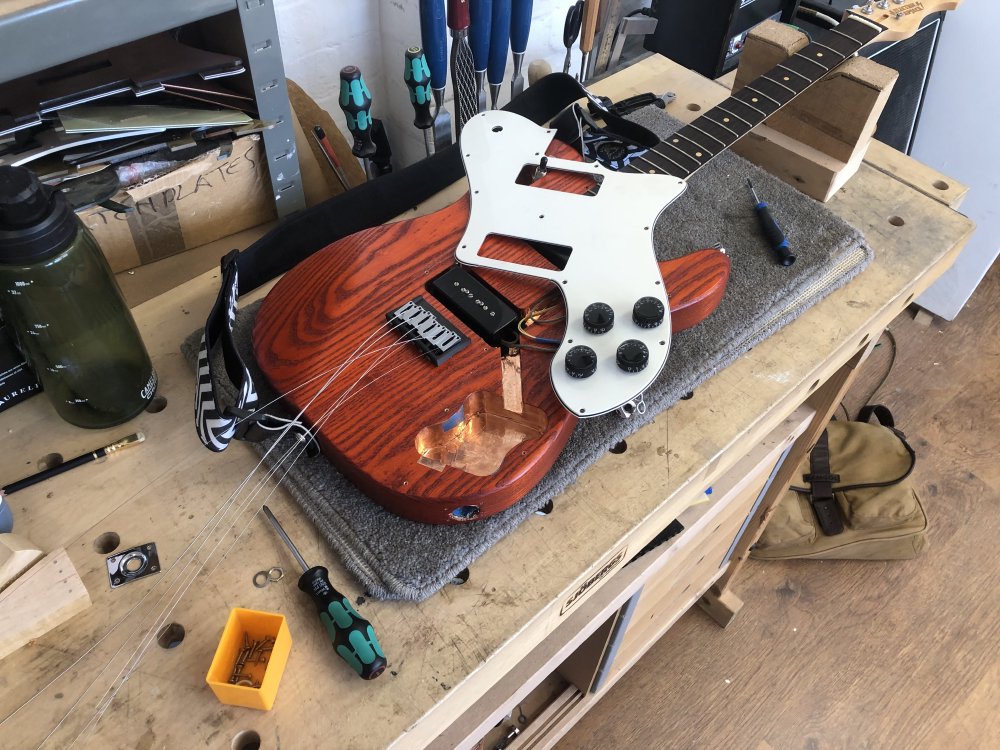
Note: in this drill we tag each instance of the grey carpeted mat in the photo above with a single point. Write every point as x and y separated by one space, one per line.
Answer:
399 559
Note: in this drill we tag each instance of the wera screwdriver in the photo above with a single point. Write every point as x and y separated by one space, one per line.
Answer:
779 243
353 637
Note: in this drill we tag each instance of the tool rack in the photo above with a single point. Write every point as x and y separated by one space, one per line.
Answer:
38 34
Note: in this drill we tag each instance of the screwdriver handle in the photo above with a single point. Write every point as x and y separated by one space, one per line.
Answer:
352 636
776 238
418 80
356 101
434 33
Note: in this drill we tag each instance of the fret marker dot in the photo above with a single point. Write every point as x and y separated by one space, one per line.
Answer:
819 54
786 78
697 153
754 100
725 119
675 140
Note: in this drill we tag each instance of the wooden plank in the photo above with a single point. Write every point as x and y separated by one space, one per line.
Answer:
42 599
17 554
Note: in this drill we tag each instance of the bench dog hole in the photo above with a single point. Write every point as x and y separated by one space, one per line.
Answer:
107 542
156 405
50 461
171 635
620 447
246 740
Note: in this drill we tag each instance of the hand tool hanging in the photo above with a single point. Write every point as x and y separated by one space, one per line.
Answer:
481 12
499 39
352 636
463 68
417 76
520 25
356 102
331 156
588 29
433 32
571 30
775 236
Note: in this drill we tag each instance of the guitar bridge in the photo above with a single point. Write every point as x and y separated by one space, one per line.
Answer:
427 329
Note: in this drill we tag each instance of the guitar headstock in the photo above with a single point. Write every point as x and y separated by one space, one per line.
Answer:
901 18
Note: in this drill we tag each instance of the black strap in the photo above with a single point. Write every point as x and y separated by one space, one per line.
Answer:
307 232
821 481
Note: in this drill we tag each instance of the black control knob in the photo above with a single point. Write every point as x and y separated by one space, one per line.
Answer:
648 312
581 362
598 318
632 356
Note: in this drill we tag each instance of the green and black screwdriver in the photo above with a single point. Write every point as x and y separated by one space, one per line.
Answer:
779 243
353 637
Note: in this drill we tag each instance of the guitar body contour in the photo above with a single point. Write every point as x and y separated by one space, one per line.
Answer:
437 444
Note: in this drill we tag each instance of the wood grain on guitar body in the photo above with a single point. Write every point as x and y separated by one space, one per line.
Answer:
382 417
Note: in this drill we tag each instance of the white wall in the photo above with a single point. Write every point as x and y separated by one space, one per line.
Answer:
958 135
319 38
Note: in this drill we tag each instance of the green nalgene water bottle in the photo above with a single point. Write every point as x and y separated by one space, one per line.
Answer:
60 299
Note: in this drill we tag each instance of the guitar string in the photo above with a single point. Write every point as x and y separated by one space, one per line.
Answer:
140 652
207 529
125 674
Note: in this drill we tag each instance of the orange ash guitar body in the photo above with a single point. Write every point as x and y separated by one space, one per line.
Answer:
437 444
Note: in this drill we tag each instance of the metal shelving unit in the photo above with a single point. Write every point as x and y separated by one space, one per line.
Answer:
38 34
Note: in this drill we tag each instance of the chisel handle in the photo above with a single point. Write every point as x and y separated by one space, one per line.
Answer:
499 39
458 15
520 24
418 80
352 636
588 26
434 33
356 101
481 12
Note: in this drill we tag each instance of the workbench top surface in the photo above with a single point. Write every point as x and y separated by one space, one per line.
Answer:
445 652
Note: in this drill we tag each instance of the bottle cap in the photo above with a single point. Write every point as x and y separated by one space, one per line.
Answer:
35 222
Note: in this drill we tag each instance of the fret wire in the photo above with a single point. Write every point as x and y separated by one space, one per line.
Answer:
800 56
795 72
657 169
745 104
776 83
639 157
663 155
736 116
847 36
831 49
721 125
761 93
695 127
695 143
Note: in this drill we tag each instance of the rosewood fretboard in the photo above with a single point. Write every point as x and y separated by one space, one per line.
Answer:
690 148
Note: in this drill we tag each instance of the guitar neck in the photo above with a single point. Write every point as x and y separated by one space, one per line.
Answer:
690 148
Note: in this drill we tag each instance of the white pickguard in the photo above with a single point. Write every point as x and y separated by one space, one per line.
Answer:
610 234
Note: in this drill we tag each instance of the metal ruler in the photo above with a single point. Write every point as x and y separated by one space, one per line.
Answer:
611 10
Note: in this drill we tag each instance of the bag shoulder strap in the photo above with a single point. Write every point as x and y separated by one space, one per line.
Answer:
821 482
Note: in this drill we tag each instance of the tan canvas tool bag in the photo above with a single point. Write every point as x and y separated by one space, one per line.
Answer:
855 499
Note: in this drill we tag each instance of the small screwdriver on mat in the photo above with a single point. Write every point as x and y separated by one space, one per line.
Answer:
352 636
779 243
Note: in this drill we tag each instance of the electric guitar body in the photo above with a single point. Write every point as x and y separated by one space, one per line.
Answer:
434 443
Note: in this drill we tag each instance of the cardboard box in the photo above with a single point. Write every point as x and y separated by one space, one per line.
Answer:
201 201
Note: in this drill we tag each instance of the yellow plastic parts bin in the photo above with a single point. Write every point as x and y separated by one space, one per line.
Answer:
259 678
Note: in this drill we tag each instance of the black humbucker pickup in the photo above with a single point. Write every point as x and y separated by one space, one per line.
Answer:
476 304
428 330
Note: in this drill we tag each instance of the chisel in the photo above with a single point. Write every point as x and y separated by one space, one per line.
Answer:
496 66
418 80
433 31
571 30
588 29
352 636
520 25
356 102
481 13
463 68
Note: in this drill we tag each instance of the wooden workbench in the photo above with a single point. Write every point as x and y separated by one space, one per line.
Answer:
541 606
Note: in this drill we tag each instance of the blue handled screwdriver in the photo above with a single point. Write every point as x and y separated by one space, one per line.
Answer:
779 243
